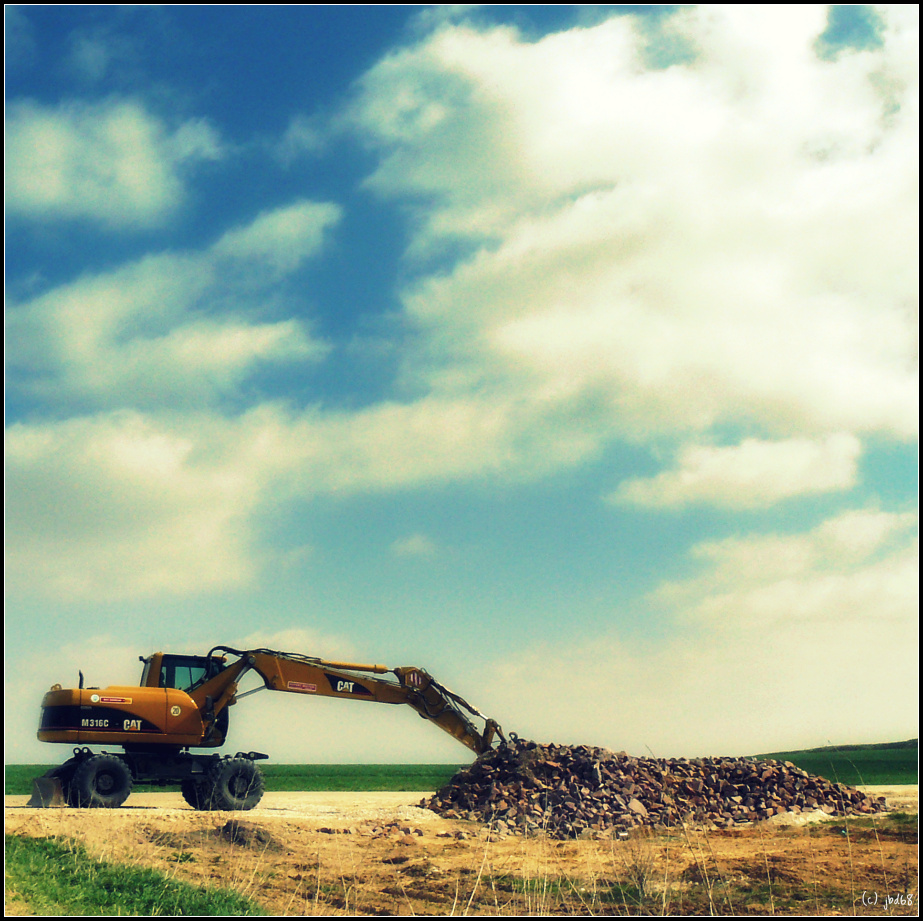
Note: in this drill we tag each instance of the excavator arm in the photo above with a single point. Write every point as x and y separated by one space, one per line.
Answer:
299 674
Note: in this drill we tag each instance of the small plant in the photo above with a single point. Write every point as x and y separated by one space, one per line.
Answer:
904 820
180 857
639 860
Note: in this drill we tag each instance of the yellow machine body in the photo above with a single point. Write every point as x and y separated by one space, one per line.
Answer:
121 715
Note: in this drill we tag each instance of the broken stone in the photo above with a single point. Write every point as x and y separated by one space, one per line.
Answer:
571 791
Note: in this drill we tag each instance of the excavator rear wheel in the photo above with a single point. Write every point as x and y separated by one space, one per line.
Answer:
195 793
234 783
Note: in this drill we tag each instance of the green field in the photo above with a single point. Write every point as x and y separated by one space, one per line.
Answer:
297 777
349 777
886 763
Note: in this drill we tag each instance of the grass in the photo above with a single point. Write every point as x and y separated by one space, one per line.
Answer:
47 876
17 778
697 873
282 778
885 763
894 763
357 777
670 873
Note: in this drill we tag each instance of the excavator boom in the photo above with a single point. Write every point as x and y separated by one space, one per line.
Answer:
299 674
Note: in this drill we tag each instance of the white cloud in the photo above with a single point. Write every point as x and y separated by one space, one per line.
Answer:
697 696
753 474
196 139
90 56
282 238
732 238
782 642
391 446
651 251
117 506
102 52
414 545
19 39
859 566
112 162
303 137
332 647
143 334
126 504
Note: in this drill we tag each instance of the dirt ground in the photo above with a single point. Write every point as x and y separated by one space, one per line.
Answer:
381 854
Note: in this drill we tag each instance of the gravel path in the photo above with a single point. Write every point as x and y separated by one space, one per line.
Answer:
341 808
335 808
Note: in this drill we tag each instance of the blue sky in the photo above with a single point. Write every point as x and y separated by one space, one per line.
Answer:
567 352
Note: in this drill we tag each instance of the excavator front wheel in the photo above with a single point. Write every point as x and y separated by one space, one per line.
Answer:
234 783
99 781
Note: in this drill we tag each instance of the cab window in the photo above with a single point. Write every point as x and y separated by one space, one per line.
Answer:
186 673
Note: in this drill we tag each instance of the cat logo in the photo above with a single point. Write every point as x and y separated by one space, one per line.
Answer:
132 725
343 686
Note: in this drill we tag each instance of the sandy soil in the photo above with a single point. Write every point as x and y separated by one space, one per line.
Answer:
900 798
380 853
338 807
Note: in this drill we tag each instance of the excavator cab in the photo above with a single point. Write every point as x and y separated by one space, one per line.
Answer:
185 673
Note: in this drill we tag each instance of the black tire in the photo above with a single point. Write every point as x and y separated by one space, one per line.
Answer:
64 773
194 793
234 784
100 781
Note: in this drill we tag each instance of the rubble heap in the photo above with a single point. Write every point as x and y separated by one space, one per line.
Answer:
571 791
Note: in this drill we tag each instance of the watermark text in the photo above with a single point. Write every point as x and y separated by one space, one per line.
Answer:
900 900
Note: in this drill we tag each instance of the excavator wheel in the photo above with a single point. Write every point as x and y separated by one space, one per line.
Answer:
195 793
234 783
99 781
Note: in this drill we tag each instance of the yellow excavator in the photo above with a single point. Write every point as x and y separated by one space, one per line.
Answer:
181 705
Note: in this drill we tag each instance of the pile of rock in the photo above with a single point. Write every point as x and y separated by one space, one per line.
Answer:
568 791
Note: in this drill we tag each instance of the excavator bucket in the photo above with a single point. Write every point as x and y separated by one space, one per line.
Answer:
47 791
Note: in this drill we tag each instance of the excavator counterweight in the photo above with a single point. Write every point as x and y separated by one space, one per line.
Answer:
181 705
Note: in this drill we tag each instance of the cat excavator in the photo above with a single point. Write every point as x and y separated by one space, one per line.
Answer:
181 706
